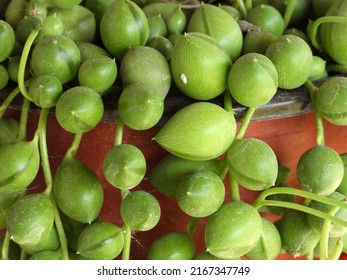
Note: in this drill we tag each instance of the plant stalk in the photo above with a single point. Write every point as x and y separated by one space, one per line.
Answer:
23 61
289 12
324 239
314 28
8 101
6 246
72 151
312 90
296 192
22 134
245 123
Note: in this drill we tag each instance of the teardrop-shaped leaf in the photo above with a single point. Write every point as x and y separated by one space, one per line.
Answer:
200 131
30 219
20 162
217 23
123 25
78 191
200 66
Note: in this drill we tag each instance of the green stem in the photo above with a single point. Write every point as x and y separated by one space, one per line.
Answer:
288 12
60 230
192 225
6 246
312 90
119 132
314 28
23 255
127 242
296 192
299 207
245 123
324 239
228 105
22 134
224 170
235 191
126 229
242 8
310 255
342 69
42 127
23 61
249 5
127 233
8 101
337 251
42 131
72 151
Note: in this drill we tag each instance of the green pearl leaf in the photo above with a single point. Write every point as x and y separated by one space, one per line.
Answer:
100 241
78 191
20 163
30 219
252 163
233 230
200 131
172 246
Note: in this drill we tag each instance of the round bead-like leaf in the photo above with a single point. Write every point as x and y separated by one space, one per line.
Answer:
200 194
292 57
98 73
146 65
58 56
45 91
331 34
172 246
331 100
79 109
19 165
100 241
140 211
267 18
253 80
144 98
233 230
320 170
30 219
252 163
297 236
124 166
123 25
7 40
217 23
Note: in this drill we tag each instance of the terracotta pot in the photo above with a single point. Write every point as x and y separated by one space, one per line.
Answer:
290 133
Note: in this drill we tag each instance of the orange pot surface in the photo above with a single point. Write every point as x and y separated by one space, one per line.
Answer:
289 137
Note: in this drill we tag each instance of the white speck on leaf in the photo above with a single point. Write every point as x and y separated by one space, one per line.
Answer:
184 78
